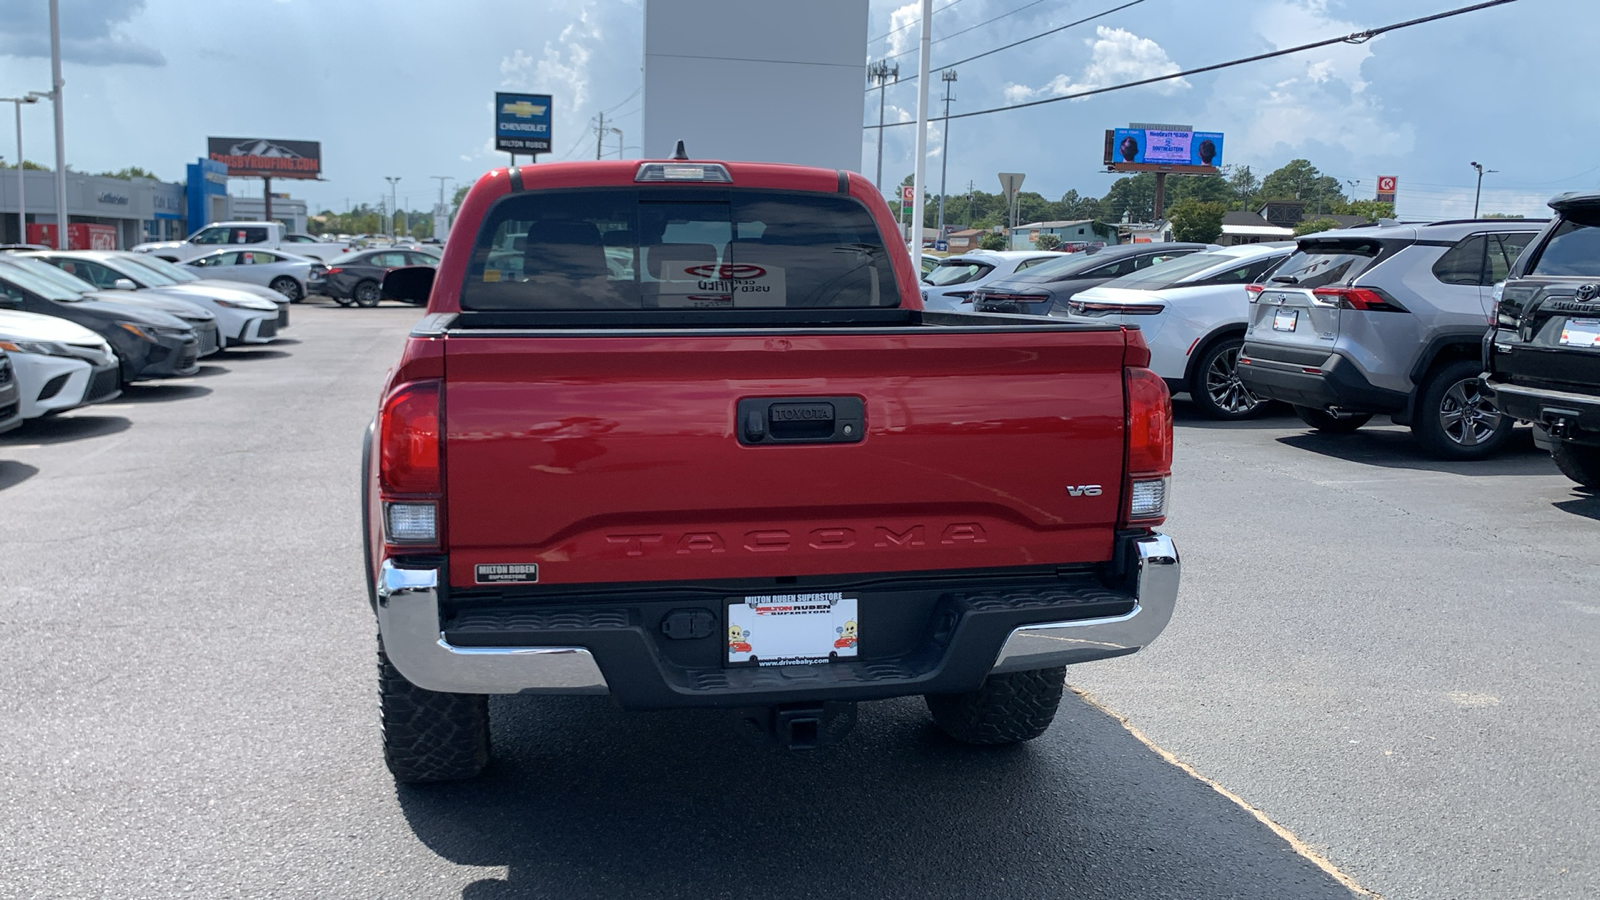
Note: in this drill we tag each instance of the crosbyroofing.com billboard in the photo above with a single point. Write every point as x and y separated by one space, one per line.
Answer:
264 157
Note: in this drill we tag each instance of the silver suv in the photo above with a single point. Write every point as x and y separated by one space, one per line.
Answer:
1387 319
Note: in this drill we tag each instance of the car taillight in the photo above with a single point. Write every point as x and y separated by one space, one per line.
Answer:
334 271
1366 299
1149 447
1254 290
410 478
1105 308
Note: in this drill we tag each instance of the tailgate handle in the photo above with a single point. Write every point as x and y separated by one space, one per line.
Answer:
801 420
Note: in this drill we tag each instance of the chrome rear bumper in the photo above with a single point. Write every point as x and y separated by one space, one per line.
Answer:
408 618
1064 643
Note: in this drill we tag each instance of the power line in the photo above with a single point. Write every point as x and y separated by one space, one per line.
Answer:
626 99
1098 15
896 31
1359 37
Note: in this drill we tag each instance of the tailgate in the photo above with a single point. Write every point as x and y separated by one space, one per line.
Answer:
607 459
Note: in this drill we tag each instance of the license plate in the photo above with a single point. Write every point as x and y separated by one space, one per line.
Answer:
1581 333
792 629
1285 319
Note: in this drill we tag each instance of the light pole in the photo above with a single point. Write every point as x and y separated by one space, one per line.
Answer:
1479 192
882 73
620 148
56 84
389 219
948 76
22 202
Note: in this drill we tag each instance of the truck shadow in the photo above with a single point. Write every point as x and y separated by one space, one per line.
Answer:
586 801
1394 448
1585 502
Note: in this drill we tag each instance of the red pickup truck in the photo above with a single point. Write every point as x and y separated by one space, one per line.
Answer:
681 433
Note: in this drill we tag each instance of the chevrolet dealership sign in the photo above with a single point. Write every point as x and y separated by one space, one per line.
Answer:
522 123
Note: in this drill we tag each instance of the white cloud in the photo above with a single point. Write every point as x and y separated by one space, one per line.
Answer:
562 69
1116 56
904 28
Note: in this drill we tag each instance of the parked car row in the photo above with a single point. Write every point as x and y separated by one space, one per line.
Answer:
1385 319
357 278
77 326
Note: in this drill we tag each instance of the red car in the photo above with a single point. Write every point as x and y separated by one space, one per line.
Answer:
656 404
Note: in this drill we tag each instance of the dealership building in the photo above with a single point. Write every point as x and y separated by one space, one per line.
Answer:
139 209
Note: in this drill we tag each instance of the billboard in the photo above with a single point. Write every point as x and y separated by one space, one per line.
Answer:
522 123
262 157
1145 149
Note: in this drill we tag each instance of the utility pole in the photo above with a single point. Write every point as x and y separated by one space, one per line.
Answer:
56 96
389 217
882 73
924 51
600 136
971 186
948 76
1479 192
441 179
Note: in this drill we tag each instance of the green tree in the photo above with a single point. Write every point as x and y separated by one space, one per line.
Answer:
461 194
1246 187
1312 226
1371 210
1074 207
1133 196
992 241
1196 220
1048 242
129 173
1503 216
1205 188
1299 180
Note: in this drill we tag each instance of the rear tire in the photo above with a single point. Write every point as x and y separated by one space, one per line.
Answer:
1216 388
1454 420
289 288
429 736
1007 709
1328 423
367 293
1579 462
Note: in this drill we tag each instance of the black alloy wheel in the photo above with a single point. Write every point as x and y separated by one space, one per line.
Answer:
1454 419
367 293
289 288
1216 388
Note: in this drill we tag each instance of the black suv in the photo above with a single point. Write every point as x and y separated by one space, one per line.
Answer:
1543 358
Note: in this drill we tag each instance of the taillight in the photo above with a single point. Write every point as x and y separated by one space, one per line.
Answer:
1365 299
335 270
410 478
1106 307
1254 290
1149 447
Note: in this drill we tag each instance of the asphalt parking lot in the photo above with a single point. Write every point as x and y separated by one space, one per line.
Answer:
1390 659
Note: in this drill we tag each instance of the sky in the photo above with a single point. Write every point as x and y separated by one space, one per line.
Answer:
405 88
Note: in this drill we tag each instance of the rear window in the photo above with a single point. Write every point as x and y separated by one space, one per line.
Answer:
683 248
1573 247
957 272
1318 263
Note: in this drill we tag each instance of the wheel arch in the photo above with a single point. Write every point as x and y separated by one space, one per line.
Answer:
1232 329
1442 350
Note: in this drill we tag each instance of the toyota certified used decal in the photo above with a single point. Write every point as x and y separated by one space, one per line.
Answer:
507 573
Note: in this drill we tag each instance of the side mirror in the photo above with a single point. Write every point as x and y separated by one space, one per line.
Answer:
124 284
410 284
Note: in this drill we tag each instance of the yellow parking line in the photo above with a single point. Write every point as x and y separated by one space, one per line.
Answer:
1288 836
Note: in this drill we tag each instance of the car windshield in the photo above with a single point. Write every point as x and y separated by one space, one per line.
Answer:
1574 246
44 270
709 249
1169 272
127 268
957 271
162 267
48 288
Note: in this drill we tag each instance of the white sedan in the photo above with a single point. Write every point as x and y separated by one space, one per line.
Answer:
951 283
1193 311
59 365
283 272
